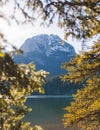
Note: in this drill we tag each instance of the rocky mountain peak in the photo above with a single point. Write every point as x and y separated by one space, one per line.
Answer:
46 43
47 52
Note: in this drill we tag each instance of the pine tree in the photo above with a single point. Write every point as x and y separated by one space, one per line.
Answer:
85 110
17 82
79 18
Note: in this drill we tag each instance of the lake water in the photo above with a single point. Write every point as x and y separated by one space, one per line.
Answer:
47 111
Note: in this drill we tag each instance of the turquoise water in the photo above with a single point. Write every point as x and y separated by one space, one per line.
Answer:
47 111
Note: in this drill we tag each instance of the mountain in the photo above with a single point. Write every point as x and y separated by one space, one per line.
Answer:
47 52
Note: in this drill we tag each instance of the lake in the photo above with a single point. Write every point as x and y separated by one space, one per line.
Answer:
47 111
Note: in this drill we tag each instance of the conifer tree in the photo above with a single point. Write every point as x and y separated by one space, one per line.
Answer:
17 82
85 110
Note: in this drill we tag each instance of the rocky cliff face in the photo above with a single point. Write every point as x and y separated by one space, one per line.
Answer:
47 52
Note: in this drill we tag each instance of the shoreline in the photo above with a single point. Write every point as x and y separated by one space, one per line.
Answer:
50 96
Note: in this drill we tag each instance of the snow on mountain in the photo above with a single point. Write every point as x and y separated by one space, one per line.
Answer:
46 43
47 52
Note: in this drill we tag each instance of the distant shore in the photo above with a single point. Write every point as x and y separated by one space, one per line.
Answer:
50 96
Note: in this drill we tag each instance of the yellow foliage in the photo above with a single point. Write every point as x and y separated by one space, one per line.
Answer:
84 112
2 54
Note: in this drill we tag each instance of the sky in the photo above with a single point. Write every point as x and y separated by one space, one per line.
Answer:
17 34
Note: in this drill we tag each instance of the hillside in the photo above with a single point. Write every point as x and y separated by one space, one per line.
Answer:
55 86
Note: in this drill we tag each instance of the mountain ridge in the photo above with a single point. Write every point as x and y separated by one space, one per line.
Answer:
47 52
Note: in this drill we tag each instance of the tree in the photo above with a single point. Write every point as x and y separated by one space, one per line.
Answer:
81 19
17 82
85 110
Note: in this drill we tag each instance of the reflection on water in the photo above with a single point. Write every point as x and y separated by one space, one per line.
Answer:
47 111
